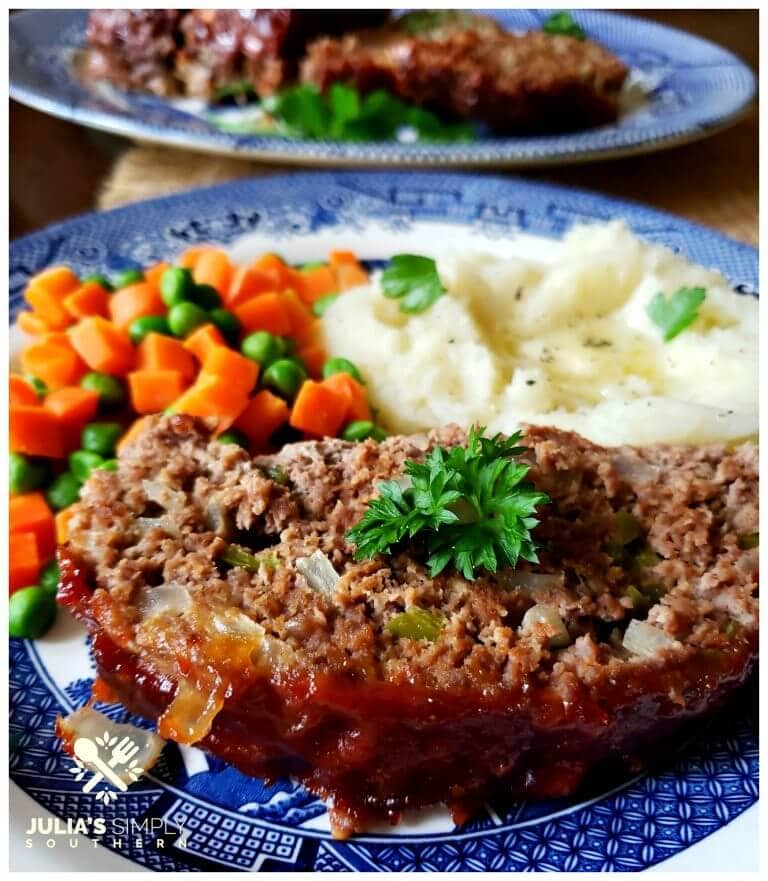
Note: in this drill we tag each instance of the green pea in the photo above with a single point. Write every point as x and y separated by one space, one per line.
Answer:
31 611
25 474
49 577
110 390
127 277
320 306
378 434
341 365
206 296
140 327
108 465
358 430
262 347
37 384
183 318
101 437
175 285
312 264
227 322
63 491
99 279
233 436
82 462
285 376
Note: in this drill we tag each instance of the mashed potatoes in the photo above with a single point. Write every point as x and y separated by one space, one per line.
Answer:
564 341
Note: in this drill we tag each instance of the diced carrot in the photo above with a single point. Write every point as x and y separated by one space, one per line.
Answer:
353 392
350 276
349 272
213 398
45 294
318 410
21 392
137 428
312 284
236 369
264 414
301 315
160 352
61 524
135 301
30 513
56 337
201 341
214 268
23 561
35 431
103 346
89 299
31 323
313 357
154 390
188 259
59 280
53 360
246 283
154 273
47 307
275 270
343 258
72 405
265 312
309 335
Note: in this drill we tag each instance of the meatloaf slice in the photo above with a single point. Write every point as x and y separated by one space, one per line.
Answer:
640 616
467 66
261 47
134 48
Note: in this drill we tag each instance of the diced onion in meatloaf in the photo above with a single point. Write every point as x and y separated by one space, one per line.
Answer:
549 621
319 573
642 638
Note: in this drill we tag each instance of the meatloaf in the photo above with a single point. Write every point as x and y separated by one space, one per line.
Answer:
200 51
640 616
467 66
134 48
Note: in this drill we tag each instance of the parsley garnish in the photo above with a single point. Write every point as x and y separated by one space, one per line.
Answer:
562 23
469 504
344 114
413 280
673 315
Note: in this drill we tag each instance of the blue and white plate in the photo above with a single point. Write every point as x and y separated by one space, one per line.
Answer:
707 786
682 88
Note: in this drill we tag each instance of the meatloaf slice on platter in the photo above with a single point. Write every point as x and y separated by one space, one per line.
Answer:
640 616
467 66
197 52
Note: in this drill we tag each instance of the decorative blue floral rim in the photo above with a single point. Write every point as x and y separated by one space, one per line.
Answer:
693 87
236 823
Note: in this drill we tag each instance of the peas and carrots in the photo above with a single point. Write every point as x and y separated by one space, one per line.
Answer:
239 344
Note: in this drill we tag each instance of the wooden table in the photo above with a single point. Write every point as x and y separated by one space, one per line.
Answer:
59 169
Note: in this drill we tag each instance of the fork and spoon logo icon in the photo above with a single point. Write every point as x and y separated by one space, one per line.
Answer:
108 759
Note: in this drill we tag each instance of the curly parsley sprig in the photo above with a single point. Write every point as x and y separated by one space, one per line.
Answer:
469 504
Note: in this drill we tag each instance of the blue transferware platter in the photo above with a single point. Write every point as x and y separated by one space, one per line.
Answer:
682 88
696 810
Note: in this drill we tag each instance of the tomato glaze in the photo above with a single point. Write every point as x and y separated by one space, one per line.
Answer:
374 749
